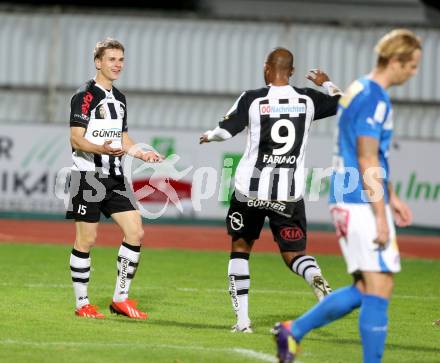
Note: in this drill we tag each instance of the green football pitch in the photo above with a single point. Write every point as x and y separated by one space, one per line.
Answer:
190 314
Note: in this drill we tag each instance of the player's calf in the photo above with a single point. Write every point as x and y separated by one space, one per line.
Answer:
239 284
307 267
127 264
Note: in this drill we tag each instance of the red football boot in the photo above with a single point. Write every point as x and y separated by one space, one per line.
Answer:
89 311
127 308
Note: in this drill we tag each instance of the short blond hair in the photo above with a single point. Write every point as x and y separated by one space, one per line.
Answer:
400 43
107 43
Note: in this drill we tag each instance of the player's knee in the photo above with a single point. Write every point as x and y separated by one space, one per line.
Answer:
86 240
380 284
390 285
384 285
135 235
140 234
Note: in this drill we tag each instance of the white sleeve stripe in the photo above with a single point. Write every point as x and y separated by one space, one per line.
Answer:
234 106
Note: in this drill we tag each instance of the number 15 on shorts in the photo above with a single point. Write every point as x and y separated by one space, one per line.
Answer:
82 209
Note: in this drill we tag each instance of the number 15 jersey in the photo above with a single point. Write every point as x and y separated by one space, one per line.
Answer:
278 119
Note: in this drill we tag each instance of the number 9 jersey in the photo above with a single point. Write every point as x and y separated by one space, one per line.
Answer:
278 119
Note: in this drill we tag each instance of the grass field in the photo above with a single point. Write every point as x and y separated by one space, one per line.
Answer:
185 294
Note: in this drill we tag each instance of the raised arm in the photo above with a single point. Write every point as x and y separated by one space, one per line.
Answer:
321 79
326 104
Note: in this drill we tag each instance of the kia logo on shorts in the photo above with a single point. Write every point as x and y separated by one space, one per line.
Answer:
292 233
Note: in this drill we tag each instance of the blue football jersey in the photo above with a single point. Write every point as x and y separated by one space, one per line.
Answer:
364 110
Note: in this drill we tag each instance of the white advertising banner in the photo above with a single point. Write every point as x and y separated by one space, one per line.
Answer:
414 172
194 182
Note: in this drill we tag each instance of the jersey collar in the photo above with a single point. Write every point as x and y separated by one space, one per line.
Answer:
107 92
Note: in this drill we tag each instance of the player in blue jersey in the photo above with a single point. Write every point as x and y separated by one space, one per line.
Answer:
363 204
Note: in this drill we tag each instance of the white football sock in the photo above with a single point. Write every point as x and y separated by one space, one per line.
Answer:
239 283
127 263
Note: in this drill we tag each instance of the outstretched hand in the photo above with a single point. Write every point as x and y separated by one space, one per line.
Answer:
317 76
108 150
151 157
203 139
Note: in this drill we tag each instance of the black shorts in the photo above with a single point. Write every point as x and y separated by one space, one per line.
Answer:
287 220
92 193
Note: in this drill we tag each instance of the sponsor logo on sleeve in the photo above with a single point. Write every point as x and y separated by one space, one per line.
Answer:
87 99
82 117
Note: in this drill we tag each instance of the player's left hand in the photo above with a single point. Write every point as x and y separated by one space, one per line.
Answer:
152 157
317 76
401 212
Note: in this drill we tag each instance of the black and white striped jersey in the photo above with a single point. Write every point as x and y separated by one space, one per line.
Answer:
278 119
103 113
